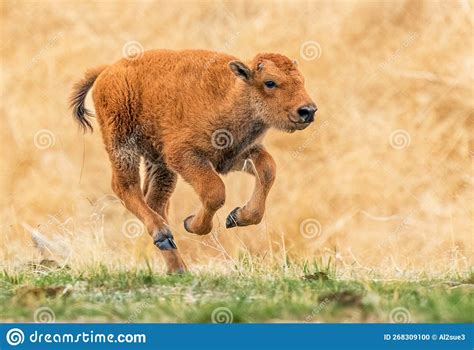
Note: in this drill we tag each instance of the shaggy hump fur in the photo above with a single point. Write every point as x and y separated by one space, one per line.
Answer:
78 96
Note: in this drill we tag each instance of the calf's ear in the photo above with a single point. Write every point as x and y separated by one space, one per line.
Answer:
241 70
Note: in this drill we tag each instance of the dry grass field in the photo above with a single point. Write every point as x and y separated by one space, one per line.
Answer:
381 186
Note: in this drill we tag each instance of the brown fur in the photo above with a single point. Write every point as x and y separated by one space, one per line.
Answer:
168 107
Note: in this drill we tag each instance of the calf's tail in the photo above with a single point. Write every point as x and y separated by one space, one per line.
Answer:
78 97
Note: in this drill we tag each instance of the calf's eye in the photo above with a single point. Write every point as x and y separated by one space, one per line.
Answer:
270 84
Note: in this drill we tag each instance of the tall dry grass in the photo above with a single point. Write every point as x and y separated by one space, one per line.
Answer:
383 182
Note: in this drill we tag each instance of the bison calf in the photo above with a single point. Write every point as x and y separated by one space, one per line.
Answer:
194 113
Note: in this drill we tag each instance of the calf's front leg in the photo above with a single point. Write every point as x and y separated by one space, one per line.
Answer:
259 162
210 188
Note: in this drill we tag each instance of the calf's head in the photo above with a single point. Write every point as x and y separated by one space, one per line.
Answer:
276 90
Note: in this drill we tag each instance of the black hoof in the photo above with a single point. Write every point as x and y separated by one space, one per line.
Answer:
164 240
186 223
178 272
231 220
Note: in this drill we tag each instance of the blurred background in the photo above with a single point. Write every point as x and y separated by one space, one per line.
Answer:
381 184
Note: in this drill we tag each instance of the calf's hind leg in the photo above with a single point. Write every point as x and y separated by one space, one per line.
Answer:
126 184
159 184
259 162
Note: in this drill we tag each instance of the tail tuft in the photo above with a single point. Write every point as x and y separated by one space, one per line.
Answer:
78 97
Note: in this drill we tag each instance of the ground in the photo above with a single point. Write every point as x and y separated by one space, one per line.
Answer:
102 295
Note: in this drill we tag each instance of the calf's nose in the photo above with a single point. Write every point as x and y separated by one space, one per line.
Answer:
306 113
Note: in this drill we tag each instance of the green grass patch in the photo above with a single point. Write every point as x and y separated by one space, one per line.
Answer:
102 295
